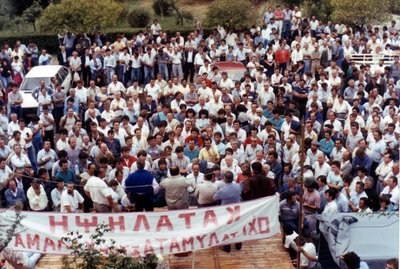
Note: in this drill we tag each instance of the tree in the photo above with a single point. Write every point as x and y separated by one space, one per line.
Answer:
138 18
181 16
32 13
162 8
80 16
361 12
321 9
237 14
86 255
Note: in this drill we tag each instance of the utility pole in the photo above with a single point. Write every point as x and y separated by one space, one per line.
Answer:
302 154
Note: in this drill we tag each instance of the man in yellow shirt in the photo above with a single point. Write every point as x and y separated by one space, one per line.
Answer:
209 153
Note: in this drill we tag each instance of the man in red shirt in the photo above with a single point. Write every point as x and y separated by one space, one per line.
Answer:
194 134
282 56
278 15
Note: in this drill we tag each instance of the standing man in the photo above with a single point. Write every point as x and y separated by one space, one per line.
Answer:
228 194
97 190
58 101
141 187
258 185
176 190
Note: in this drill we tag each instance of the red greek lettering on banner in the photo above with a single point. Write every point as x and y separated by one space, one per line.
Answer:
235 214
121 223
86 223
210 217
63 223
186 217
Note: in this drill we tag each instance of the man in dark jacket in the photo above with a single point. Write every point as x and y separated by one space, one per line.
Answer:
141 186
258 185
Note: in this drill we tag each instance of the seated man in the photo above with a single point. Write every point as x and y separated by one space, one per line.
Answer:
14 195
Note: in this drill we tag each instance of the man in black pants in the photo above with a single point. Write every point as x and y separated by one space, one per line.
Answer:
189 64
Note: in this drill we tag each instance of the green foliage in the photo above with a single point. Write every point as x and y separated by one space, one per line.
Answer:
321 9
87 255
293 2
237 14
361 12
80 16
138 18
32 13
9 226
163 5
5 11
395 7
183 16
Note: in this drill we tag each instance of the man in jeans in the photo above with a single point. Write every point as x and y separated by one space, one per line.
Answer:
141 187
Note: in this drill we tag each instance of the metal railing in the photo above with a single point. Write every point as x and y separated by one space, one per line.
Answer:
373 59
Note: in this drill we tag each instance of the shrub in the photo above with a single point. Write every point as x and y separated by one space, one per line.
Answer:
240 15
138 18
166 7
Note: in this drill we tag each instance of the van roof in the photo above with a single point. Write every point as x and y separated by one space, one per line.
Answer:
43 71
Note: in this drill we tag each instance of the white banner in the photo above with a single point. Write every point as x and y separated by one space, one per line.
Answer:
153 232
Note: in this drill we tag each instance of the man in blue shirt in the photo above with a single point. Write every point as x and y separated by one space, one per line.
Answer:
66 174
301 97
141 186
191 151
228 194
326 144
14 195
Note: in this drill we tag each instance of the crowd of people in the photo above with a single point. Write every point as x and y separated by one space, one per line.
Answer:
150 121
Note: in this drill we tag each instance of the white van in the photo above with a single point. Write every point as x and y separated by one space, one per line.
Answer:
32 81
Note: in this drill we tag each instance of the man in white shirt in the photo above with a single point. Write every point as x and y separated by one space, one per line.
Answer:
71 200
356 196
392 189
331 207
109 64
320 167
82 93
148 61
153 90
98 191
47 156
115 86
12 125
37 196
19 160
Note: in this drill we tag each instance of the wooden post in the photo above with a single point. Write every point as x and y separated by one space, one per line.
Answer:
302 157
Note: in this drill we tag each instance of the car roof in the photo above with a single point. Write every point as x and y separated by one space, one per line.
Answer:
43 71
230 66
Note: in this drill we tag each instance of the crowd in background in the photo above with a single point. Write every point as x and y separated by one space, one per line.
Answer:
151 121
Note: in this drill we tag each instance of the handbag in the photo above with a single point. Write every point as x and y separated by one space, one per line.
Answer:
76 77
